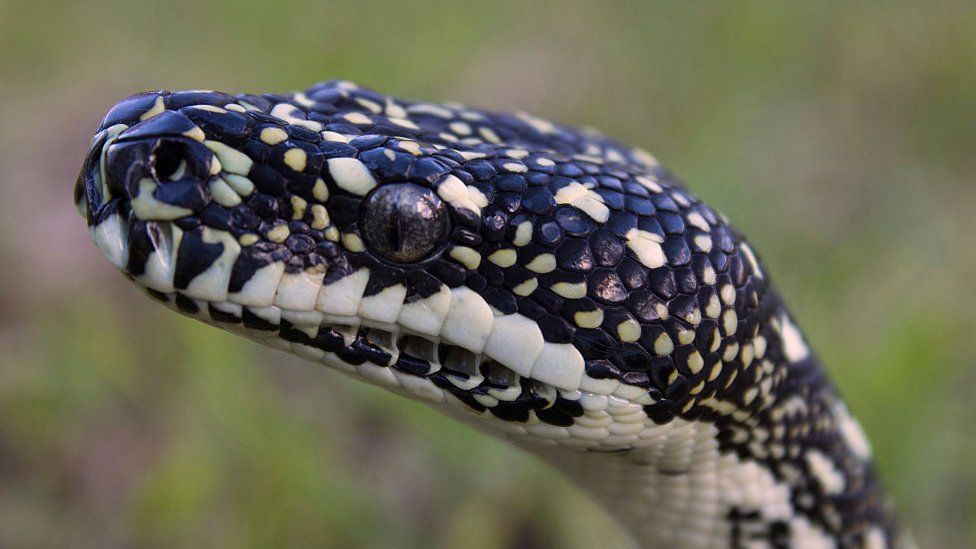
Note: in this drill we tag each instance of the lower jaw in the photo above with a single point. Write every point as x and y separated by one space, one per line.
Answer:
368 348
468 387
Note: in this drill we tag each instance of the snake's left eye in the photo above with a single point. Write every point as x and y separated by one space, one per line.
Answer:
404 223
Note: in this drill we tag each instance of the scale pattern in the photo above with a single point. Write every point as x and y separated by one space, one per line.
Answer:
570 295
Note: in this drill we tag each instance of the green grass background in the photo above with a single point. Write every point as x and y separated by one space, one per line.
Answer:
840 136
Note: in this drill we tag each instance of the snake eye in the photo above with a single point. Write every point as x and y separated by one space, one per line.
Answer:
404 223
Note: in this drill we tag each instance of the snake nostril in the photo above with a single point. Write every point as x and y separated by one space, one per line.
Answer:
167 160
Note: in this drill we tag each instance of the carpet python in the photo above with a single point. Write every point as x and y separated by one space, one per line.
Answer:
545 284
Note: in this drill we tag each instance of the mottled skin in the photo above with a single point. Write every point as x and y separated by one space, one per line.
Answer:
545 284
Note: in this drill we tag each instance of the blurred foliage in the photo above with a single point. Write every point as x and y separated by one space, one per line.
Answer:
839 136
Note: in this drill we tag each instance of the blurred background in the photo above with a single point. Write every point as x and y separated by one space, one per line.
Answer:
841 137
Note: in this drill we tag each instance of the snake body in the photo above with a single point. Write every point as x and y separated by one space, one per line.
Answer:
548 285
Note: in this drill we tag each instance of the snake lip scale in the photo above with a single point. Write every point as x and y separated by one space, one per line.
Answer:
547 285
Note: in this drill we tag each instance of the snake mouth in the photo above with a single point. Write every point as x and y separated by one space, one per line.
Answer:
188 270
448 343
451 337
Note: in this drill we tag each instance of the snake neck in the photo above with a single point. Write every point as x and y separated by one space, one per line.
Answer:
682 490
794 471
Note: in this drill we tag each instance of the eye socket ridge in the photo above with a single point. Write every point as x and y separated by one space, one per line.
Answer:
404 223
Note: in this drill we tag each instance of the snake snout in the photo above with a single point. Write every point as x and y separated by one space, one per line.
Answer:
161 178
156 169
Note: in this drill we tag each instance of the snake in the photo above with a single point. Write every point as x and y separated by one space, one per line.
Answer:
547 285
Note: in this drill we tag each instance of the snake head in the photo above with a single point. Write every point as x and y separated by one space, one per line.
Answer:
497 265
546 284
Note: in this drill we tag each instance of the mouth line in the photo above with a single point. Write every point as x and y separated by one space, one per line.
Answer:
479 381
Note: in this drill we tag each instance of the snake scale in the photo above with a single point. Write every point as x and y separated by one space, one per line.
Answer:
545 284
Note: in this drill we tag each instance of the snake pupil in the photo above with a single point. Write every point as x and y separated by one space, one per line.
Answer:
396 232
